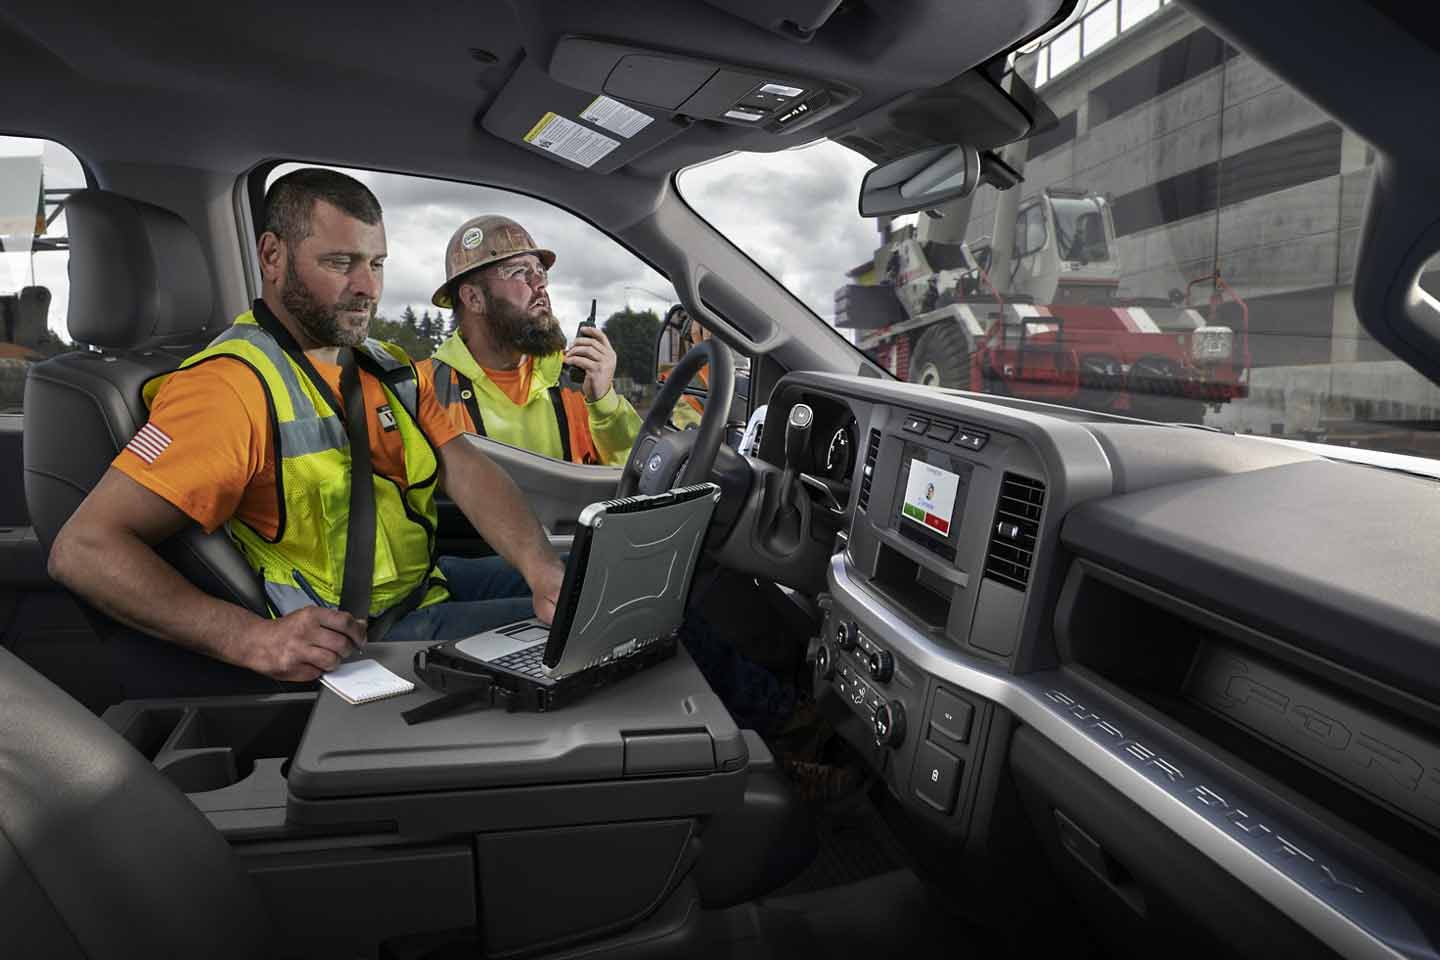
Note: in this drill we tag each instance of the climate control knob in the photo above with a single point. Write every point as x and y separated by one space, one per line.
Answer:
845 635
881 664
889 724
824 666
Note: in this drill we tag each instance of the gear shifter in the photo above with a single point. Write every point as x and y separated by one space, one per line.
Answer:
797 441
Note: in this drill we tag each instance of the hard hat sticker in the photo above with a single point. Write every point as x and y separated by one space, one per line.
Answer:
471 238
570 141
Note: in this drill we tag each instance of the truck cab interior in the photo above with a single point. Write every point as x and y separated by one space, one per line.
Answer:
1109 686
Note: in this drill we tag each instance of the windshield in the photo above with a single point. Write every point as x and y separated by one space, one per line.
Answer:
1079 228
1181 248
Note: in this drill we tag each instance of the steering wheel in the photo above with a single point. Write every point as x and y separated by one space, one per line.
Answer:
661 455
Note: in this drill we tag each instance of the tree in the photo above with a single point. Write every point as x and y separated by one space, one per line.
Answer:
632 333
405 332
429 330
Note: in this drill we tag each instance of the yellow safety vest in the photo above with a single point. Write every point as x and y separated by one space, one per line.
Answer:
540 423
312 455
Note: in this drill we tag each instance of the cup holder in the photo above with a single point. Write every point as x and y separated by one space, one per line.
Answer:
200 771
215 745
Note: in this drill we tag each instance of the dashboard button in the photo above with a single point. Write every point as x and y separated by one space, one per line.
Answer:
881 664
971 441
944 432
937 777
888 722
916 424
845 633
950 716
823 664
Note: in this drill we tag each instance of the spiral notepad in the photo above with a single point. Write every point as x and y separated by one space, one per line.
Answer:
364 681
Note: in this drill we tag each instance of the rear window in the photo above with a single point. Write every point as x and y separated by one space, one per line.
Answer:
35 177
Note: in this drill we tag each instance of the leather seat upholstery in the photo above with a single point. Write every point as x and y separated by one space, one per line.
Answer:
100 855
141 296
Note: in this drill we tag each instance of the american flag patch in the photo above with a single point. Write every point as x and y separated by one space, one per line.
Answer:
149 443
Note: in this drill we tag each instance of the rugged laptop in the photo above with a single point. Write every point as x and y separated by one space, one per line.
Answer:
621 603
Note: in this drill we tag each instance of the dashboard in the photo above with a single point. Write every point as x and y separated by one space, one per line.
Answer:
1132 638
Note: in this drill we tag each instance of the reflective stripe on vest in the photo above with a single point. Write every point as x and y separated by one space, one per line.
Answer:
312 457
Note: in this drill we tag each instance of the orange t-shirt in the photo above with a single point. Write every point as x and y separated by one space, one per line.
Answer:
515 384
209 448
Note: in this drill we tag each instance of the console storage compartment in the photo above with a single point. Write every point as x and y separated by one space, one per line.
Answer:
583 830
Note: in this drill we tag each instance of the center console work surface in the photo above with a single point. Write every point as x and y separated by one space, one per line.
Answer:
663 723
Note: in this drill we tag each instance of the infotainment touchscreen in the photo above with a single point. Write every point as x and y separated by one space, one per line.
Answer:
931 496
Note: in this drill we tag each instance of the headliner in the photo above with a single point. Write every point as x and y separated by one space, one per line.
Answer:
225 87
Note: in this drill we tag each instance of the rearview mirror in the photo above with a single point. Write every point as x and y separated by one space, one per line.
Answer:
920 181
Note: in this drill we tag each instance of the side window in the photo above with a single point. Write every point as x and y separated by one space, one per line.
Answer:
591 274
35 177
1030 231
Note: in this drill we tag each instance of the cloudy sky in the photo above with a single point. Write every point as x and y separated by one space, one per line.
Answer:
793 212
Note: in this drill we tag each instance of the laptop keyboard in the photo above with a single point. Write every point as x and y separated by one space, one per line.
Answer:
529 661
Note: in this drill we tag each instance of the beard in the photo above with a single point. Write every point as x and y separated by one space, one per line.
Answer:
535 334
320 322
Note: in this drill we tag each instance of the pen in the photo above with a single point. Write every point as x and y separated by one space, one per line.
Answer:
304 585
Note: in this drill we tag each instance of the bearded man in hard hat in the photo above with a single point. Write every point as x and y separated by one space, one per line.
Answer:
500 373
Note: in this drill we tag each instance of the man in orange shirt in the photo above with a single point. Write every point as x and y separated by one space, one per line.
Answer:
228 443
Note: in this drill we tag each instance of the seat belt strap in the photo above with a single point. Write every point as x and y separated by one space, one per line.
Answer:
472 402
561 421
359 573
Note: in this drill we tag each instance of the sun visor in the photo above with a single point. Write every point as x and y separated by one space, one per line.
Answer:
588 131
773 100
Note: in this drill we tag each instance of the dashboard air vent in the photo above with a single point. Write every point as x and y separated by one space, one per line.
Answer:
1016 528
872 450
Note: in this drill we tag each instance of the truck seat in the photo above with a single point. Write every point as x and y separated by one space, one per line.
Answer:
100 855
141 296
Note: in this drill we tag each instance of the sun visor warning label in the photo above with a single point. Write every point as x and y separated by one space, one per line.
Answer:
614 116
570 141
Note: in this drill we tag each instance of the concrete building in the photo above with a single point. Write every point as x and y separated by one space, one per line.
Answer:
1210 165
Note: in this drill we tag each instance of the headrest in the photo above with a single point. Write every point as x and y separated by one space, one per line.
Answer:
137 273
